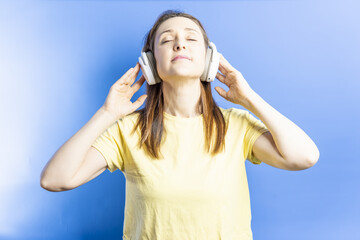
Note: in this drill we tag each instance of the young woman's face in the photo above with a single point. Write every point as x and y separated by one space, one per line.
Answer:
183 38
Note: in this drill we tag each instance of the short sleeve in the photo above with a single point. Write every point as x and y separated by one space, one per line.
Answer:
254 128
109 144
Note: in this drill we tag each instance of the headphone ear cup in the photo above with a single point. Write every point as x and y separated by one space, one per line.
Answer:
204 75
211 63
148 67
152 62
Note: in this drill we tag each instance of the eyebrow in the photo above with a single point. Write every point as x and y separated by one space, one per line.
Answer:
171 30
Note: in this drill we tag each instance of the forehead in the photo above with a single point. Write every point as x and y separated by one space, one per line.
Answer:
177 24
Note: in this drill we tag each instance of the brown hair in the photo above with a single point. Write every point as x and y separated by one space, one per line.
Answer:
151 116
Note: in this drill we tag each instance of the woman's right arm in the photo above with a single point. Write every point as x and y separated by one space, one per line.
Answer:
76 161
59 172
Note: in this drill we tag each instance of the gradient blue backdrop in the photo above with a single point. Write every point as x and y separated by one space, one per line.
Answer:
58 60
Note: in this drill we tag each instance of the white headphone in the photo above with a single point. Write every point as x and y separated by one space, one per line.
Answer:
148 65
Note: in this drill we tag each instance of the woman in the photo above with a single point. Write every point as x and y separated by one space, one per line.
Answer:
183 156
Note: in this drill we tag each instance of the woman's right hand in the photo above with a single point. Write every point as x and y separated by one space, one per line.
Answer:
118 101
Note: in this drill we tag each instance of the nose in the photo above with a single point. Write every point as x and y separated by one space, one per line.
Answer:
179 45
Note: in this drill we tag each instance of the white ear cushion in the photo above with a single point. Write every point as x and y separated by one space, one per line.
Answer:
152 62
211 63
204 75
214 66
147 63
145 68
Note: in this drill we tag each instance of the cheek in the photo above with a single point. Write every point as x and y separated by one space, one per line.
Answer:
201 58
159 60
161 57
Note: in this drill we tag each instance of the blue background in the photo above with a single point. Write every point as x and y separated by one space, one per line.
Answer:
58 60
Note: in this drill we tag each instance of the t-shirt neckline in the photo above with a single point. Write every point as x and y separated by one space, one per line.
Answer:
181 119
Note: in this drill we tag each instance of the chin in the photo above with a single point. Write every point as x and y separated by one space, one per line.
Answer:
180 72
185 72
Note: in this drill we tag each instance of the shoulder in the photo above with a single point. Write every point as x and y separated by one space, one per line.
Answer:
234 112
238 119
130 118
126 123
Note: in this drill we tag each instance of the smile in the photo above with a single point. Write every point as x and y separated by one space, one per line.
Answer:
177 59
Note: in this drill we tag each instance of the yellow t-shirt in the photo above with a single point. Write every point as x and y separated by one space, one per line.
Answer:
188 194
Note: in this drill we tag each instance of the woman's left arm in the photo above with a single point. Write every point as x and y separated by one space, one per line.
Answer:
294 145
292 142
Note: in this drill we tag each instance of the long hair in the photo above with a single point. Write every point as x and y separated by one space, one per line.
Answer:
150 118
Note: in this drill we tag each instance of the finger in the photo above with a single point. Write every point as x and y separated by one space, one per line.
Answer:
125 76
221 91
225 64
222 69
139 102
136 86
131 78
220 77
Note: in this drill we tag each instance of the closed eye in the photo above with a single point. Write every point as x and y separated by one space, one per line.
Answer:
170 40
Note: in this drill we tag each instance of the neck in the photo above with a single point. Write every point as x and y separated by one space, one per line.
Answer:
182 99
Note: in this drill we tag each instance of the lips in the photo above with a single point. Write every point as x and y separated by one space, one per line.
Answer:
180 57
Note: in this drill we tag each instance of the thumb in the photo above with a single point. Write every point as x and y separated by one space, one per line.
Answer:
221 91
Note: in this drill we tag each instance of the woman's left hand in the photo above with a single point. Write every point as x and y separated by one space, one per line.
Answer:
239 90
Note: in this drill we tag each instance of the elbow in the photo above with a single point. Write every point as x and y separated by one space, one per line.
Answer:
51 187
312 160
45 185
305 163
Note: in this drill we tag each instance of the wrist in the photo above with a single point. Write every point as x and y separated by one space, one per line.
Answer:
108 114
251 99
